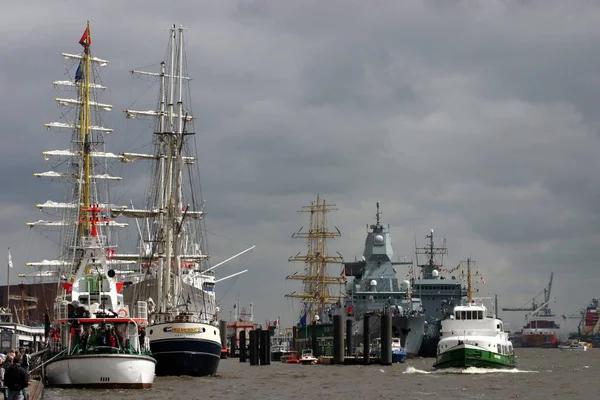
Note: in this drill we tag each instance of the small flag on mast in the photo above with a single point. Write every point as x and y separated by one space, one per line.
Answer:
86 40
79 73
10 264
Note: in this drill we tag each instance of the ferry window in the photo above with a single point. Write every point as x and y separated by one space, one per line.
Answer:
468 314
463 315
479 314
457 315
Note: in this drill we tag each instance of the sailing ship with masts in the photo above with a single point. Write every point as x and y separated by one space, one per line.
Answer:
175 276
96 339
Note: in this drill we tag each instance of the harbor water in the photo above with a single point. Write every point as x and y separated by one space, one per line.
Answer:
541 374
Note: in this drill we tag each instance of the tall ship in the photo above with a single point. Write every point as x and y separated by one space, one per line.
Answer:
373 288
439 289
95 338
320 296
471 336
540 329
175 276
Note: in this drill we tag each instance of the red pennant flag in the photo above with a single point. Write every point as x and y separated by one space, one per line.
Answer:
86 40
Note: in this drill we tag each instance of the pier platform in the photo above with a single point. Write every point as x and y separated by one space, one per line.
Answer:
35 390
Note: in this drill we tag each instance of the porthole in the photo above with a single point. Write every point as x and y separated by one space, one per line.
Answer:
151 331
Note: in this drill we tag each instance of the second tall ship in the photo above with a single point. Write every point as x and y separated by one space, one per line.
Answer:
175 277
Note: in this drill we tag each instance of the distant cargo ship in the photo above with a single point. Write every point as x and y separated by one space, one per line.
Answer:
589 327
541 329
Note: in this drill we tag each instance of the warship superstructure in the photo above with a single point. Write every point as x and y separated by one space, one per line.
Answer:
373 288
440 290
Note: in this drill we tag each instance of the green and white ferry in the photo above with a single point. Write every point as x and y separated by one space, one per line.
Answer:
472 338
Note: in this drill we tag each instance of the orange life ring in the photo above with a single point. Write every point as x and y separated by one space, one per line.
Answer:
123 313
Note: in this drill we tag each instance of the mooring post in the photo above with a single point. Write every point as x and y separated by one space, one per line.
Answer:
366 341
242 346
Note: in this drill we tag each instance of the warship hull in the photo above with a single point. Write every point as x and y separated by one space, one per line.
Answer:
409 329
429 346
431 340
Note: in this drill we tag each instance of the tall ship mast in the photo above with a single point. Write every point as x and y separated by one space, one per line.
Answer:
373 289
175 276
439 290
95 338
318 298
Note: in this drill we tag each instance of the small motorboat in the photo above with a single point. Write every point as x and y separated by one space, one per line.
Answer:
575 346
398 353
289 357
308 358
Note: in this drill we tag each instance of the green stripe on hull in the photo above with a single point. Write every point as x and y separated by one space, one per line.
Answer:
466 357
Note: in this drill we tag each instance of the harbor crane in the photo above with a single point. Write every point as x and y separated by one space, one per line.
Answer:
535 306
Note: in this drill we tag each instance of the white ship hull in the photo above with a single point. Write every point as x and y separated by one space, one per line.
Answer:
101 371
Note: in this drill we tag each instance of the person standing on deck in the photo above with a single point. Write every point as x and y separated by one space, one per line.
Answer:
2 388
15 380
26 360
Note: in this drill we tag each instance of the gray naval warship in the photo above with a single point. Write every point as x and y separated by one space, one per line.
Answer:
373 289
439 293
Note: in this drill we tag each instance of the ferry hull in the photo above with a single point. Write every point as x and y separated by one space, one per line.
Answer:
192 349
101 371
463 357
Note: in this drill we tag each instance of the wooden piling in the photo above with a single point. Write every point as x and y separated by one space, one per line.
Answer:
313 332
338 340
386 339
223 332
253 348
242 349
366 341
349 333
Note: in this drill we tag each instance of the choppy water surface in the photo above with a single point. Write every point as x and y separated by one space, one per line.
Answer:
541 374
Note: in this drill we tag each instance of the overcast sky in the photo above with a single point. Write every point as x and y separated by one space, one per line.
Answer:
475 118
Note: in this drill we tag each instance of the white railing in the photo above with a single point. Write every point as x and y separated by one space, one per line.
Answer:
141 310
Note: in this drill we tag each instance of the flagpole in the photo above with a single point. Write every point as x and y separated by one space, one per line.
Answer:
8 281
